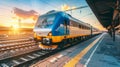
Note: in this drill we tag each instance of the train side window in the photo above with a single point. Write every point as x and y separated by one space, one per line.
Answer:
79 26
83 27
86 28
65 23
74 24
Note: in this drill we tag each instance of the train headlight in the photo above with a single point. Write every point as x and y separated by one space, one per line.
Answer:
49 34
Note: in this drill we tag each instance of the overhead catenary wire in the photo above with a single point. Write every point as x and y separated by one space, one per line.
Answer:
80 7
76 8
49 4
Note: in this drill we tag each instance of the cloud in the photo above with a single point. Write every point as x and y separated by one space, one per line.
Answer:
25 14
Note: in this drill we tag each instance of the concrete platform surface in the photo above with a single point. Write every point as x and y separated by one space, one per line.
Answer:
99 51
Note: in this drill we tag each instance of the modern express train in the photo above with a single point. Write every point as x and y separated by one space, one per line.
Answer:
57 29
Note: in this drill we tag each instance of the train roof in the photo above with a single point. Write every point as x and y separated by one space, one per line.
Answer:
51 12
79 21
69 16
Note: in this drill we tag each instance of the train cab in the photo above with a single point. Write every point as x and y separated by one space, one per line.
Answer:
51 28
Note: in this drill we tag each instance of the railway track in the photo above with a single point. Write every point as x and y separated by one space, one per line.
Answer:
27 59
12 46
16 52
23 52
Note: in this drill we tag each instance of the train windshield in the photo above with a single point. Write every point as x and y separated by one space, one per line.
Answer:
45 21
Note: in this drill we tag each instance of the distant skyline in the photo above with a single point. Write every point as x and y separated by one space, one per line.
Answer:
25 12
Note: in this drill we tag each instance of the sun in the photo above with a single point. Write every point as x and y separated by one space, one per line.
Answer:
15 27
65 7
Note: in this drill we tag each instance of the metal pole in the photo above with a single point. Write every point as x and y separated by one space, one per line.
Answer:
91 31
113 32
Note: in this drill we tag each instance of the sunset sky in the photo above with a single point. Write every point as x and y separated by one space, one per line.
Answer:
25 12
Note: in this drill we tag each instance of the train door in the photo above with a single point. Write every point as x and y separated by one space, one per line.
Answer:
66 28
66 32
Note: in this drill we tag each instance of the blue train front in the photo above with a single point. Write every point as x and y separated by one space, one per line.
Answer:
56 29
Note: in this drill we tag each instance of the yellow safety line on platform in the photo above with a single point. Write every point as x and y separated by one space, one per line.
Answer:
76 59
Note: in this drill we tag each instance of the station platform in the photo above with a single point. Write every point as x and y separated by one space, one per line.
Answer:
99 51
